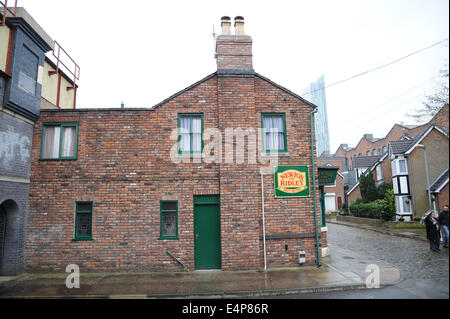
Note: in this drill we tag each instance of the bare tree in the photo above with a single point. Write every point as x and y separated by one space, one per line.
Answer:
434 102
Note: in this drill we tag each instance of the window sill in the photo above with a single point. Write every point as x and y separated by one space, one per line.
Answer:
274 154
168 238
58 159
82 239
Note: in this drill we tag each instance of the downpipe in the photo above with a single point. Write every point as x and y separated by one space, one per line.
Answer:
314 187
179 261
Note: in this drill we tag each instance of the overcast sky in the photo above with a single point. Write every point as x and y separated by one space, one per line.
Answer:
141 52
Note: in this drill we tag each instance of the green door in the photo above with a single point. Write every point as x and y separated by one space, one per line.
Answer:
207 252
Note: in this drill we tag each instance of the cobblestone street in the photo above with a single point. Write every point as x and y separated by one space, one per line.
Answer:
412 257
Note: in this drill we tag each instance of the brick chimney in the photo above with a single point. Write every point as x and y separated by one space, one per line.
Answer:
234 52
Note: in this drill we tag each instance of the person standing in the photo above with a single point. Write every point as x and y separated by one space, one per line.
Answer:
433 233
443 222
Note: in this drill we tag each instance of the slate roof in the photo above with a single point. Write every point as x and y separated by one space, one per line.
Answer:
365 161
400 147
439 181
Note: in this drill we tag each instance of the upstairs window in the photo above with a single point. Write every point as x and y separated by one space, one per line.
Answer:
402 166
379 173
190 132
59 141
274 132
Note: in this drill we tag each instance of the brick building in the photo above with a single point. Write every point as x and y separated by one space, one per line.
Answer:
370 146
123 188
409 169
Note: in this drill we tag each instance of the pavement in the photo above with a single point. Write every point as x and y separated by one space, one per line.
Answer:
342 270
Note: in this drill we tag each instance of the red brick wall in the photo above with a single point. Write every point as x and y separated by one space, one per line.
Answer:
124 167
293 216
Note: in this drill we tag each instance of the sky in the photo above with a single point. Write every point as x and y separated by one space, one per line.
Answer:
141 52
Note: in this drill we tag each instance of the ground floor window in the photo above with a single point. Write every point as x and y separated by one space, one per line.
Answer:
168 220
83 221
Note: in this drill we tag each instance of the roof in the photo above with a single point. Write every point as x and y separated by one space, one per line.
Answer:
406 146
365 161
353 188
399 147
22 14
439 182
371 168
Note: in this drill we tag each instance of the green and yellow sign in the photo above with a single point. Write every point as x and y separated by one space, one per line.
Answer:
291 181
327 175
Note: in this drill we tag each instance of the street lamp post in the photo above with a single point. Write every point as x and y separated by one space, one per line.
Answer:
426 172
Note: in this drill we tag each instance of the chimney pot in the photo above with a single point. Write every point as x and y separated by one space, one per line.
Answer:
239 25
226 25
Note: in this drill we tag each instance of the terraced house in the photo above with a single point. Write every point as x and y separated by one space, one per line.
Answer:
195 181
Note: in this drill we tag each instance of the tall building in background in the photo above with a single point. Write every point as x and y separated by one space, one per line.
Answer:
315 93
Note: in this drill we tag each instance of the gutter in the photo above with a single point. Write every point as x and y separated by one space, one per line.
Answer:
314 187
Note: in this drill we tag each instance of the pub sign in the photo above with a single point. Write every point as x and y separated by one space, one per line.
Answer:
291 181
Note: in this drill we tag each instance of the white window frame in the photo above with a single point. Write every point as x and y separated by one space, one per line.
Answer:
395 164
399 205
379 171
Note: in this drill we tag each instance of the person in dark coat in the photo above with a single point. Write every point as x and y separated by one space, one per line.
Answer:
443 222
433 232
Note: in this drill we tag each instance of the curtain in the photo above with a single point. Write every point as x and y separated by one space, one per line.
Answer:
51 142
274 132
268 124
197 134
185 128
278 134
68 143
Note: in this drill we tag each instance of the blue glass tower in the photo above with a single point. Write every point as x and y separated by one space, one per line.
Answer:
315 93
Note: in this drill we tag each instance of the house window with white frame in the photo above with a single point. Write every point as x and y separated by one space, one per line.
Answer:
379 173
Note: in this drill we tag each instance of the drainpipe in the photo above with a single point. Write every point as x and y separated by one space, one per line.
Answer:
264 221
314 186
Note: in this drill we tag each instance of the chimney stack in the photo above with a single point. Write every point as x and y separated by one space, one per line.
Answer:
226 25
234 52
239 25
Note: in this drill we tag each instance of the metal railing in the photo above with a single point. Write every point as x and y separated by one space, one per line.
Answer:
75 71
6 10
